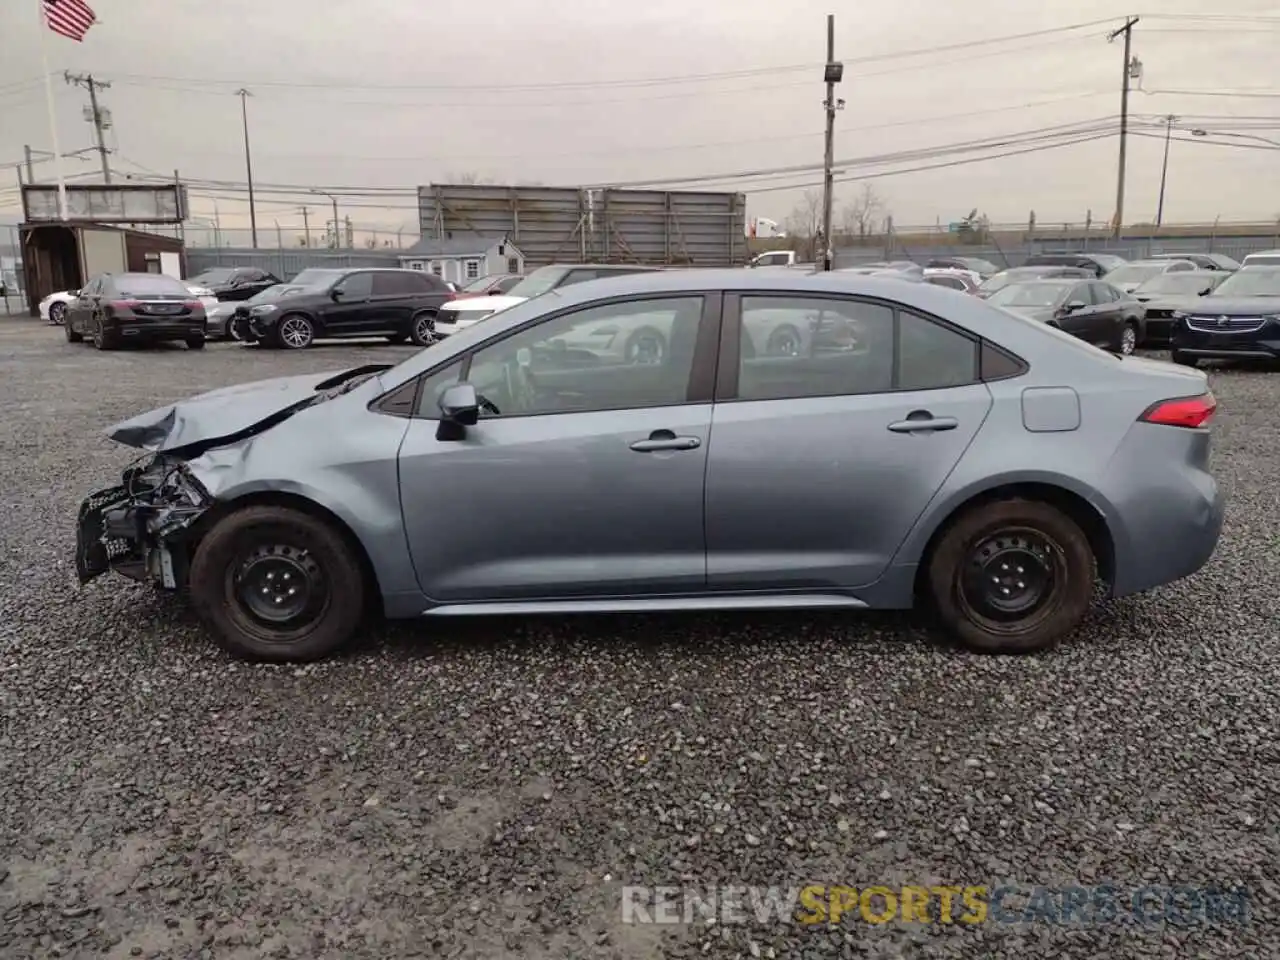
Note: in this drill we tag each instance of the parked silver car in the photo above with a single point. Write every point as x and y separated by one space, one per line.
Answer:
954 454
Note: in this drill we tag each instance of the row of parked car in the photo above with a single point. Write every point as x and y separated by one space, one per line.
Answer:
1203 306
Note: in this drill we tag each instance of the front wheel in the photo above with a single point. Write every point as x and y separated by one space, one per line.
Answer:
277 584
57 313
1184 359
423 329
195 343
646 346
1012 576
294 332
72 335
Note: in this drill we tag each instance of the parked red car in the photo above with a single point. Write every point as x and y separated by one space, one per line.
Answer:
491 286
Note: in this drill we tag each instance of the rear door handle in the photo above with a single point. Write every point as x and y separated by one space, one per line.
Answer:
924 424
665 440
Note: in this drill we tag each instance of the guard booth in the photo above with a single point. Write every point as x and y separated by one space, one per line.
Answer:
100 234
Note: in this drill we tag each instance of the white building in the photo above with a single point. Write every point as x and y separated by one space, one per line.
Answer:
464 259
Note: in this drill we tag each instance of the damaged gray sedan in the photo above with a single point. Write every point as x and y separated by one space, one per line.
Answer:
912 445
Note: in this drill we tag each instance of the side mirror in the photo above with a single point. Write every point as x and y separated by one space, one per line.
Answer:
1074 305
460 404
335 294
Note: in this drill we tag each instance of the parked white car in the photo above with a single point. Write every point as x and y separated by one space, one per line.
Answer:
53 308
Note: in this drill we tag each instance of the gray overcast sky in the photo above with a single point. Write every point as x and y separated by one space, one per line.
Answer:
327 110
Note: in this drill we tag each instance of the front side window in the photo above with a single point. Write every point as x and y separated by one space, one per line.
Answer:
356 285
617 356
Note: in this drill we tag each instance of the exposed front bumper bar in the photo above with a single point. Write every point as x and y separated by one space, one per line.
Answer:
139 528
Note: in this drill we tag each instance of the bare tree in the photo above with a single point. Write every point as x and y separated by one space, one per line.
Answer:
863 213
468 179
804 223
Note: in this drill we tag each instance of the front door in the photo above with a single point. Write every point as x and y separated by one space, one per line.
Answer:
822 460
352 310
584 475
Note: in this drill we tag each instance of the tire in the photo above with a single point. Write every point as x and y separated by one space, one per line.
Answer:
293 332
57 313
103 339
269 545
1129 338
783 342
72 336
422 328
986 548
195 343
1184 360
645 346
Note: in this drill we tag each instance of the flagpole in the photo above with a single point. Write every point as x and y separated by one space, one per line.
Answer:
53 117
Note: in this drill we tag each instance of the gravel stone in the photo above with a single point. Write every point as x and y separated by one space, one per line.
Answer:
162 800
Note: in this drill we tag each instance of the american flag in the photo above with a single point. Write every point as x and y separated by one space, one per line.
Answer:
71 18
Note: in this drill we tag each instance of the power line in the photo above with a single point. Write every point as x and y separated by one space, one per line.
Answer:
592 84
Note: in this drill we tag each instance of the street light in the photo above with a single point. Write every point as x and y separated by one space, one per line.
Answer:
335 215
1236 136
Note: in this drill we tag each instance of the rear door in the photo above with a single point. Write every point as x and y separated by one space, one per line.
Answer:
395 295
81 308
822 461
1108 316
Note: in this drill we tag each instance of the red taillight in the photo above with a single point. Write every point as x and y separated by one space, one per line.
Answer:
192 304
1182 412
126 304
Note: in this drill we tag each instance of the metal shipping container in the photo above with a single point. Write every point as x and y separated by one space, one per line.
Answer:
568 224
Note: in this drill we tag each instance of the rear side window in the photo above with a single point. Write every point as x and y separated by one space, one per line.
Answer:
794 347
389 283
356 285
150 285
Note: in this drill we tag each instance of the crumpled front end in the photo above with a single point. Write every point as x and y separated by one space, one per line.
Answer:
140 528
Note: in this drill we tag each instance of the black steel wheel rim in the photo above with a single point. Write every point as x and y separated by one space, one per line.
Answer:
278 587
1011 578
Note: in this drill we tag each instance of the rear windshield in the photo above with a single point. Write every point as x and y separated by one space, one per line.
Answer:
150 285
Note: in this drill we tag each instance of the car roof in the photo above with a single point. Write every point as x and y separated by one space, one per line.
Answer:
972 313
630 267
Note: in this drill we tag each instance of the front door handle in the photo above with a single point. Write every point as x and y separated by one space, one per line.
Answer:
922 421
665 440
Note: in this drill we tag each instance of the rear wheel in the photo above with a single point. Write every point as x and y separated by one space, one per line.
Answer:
1184 359
1129 338
72 335
783 342
195 343
423 329
103 339
1012 576
277 584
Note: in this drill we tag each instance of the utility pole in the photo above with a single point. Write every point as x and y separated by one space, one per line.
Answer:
244 94
1127 30
1164 167
306 225
337 224
31 170
100 118
832 74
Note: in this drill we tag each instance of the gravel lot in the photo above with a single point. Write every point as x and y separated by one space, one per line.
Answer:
483 789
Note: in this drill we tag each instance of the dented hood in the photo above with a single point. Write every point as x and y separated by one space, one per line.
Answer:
227 414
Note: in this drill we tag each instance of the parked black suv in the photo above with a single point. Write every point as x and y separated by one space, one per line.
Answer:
233 283
398 304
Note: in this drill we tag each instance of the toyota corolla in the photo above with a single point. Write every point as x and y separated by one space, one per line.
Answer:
951 455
